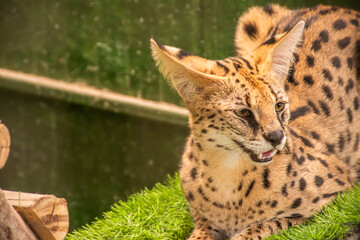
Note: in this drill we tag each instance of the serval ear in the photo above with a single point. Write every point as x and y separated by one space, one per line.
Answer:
188 73
277 53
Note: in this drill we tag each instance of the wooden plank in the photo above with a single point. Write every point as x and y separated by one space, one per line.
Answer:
91 96
4 144
47 215
12 226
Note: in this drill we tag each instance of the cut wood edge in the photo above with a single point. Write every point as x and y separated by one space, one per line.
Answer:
47 215
4 144
12 226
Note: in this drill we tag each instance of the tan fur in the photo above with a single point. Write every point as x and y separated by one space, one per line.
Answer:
274 137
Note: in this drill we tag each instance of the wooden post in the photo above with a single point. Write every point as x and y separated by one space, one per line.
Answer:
47 215
4 144
43 217
12 227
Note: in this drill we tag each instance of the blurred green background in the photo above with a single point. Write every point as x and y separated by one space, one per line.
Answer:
89 156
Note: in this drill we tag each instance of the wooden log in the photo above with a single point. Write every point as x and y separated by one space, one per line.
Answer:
12 226
47 215
4 144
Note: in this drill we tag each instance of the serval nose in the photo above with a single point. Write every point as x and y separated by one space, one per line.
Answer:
275 137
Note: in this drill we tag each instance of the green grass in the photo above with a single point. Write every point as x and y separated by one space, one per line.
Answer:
160 213
163 213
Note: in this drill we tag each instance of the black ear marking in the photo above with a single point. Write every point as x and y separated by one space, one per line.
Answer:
181 54
160 45
251 29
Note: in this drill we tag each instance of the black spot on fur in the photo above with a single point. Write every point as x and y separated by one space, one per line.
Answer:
339 24
295 215
251 185
356 144
335 8
336 62
330 148
279 212
278 224
330 175
299 112
251 30
349 86
190 197
211 116
193 173
349 115
226 69
324 11
274 204
324 36
315 135
299 160
291 79
288 168
269 41
340 170
268 9
356 103
315 200
296 203
284 190
328 93
308 80
240 186
340 81
302 184
218 205
181 54
313 106
296 57
343 43
303 139
206 198
319 181
325 108
341 143
338 181
349 63
205 162
266 182
341 103
354 22
323 162
247 63
327 75
310 20
310 61
316 45
327 195
310 157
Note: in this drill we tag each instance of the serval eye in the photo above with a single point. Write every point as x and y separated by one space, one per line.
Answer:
243 113
279 106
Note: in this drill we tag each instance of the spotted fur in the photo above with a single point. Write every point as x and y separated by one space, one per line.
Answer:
275 130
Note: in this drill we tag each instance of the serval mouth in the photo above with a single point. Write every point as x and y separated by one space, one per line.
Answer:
264 157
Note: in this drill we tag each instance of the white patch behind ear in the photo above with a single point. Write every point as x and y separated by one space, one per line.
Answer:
282 55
